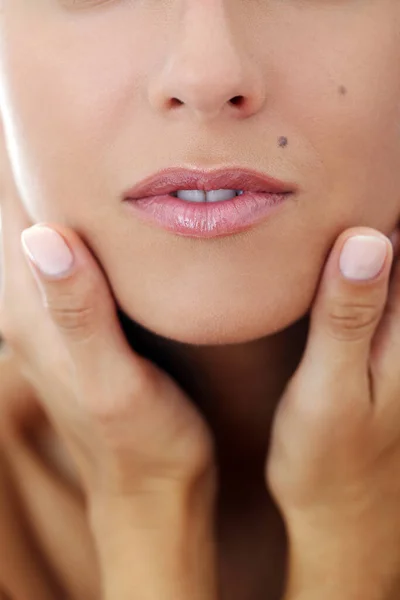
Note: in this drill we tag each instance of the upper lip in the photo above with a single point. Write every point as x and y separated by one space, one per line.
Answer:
234 178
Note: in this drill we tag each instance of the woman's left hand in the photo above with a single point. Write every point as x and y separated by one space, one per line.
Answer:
38 496
334 461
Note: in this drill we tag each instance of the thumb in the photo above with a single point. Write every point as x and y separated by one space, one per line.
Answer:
78 299
349 303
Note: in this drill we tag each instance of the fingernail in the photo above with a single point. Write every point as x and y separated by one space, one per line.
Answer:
47 250
362 257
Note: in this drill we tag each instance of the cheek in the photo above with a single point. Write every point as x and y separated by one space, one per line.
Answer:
344 103
64 110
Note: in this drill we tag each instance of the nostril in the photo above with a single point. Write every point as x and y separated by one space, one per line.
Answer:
237 100
175 102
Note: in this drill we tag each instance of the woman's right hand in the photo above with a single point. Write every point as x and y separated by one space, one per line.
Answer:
144 454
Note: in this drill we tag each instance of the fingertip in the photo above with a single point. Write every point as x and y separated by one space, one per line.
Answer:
363 257
48 250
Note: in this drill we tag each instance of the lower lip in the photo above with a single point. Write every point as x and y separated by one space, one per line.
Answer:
207 219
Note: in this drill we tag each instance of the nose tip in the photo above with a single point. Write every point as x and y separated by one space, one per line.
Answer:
206 102
208 74
207 97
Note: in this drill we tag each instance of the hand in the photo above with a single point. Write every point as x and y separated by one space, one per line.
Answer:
35 500
143 452
334 459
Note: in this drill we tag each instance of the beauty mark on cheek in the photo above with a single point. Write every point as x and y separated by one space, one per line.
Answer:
283 141
342 90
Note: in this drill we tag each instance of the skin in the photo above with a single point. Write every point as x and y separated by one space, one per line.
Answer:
84 98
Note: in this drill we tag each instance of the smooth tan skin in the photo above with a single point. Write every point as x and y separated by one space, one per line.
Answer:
86 100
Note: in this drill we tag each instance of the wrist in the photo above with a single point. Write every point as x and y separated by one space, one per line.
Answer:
157 544
341 564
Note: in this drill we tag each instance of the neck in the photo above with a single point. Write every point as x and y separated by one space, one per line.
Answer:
236 387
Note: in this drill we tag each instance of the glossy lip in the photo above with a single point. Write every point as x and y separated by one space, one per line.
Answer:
173 179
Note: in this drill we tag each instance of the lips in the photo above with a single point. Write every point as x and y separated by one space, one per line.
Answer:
171 180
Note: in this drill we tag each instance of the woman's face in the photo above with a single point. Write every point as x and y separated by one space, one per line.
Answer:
87 89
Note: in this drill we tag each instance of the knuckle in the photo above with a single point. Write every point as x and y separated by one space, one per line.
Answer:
72 316
353 320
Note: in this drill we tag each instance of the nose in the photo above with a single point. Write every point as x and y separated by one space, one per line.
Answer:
207 73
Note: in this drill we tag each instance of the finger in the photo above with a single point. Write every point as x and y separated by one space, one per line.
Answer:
80 303
26 327
19 407
385 352
347 309
23 573
49 500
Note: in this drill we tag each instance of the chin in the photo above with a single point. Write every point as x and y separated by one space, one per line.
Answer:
234 325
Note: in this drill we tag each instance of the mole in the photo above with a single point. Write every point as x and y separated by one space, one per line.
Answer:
283 141
342 90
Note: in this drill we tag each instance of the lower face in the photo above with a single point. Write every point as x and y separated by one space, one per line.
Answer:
87 93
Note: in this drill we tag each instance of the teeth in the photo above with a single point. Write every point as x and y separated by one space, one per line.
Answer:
192 195
211 196
217 195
